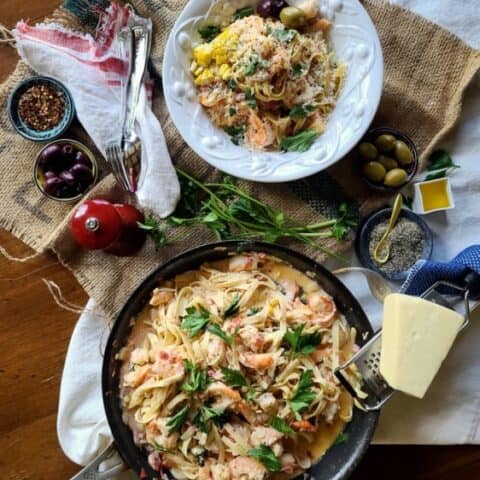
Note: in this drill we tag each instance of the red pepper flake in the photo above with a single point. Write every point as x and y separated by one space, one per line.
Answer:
42 107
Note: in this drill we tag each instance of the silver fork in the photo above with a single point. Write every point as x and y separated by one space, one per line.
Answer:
114 156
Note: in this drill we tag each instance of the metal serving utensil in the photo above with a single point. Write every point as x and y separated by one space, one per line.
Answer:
375 390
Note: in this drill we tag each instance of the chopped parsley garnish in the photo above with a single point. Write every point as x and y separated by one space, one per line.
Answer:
195 320
304 395
233 308
255 62
243 12
280 424
234 378
302 344
253 311
209 32
236 133
251 394
300 111
342 438
159 447
250 69
297 69
250 98
300 142
155 229
346 220
175 423
266 456
232 84
216 330
197 378
232 111
206 414
282 34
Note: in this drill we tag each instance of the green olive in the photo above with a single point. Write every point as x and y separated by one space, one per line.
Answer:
367 151
385 143
374 171
388 162
395 178
402 153
292 17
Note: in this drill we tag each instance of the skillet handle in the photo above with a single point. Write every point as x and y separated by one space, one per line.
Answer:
91 471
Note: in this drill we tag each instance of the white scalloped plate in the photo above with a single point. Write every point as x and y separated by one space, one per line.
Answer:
355 42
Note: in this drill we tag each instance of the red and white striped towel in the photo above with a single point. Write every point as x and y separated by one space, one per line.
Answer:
93 70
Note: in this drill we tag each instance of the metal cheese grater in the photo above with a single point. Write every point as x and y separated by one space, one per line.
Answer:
367 359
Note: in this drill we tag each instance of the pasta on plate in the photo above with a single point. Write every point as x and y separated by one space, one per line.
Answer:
268 86
228 372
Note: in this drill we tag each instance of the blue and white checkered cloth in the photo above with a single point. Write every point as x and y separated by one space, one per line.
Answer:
426 272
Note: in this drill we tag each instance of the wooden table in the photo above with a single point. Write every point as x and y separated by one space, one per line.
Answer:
34 340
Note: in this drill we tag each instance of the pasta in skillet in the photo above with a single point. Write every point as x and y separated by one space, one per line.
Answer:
228 372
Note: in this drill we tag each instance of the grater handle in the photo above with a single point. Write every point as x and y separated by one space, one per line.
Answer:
472 284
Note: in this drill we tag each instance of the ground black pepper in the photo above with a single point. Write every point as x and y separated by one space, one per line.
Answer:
406 245
41 107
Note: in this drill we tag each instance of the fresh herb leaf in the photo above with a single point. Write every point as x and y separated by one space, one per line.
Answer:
300 142
255 62
232 111
195 320
234 378
266 456
251 394
232 84
440 159
233 308
197 378
243 12
281 425
159 447
303 395
347 219
206 414
250 69
250 98
302 344
435 175
175 423
155 230
236 133
209 32
342 438
297 69
283 34
216 330
253 311
300 111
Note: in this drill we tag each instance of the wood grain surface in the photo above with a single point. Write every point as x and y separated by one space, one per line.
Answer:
34 337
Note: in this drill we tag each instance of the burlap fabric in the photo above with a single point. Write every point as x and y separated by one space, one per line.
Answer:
426 72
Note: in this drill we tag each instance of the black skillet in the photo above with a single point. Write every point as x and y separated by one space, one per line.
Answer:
341 459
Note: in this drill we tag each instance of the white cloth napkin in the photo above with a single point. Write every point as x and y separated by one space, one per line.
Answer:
450 414
93 70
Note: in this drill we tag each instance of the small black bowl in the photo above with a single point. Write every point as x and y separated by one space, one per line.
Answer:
411 169
365 230
22 128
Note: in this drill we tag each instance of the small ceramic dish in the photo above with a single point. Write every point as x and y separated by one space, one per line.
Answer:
77 180
410 169
40 135
355 43
362 240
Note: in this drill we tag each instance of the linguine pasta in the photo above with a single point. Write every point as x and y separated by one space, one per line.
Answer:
228 372
264 83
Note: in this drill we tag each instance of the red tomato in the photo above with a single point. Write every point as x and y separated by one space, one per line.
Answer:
131 238
96 224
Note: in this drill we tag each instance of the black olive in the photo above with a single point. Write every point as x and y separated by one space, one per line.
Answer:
67 150
82 159
82 173
277 6
51 158
264 8
52 186
67 177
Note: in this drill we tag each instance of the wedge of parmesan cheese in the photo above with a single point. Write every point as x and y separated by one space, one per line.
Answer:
417 336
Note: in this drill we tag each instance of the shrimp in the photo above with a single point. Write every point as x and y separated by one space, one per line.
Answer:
303 426
265 436
214 348
219 389
139 356
158 432
290 287
330 411
240 263
160 297
259 361
323 308
246 467
251 338
168 364
267 402
289 464
319 25
137 376
259 133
